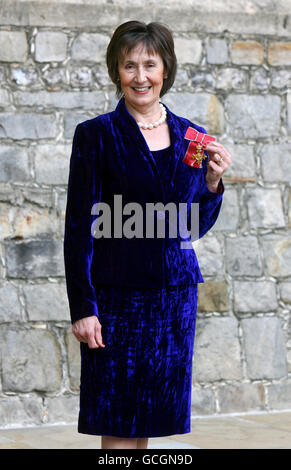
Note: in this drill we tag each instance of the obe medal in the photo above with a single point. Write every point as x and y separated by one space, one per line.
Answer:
196 147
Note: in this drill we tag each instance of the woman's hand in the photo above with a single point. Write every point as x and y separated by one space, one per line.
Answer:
88 330
216 167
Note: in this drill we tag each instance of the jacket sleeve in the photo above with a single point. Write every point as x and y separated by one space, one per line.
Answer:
84 189
209 202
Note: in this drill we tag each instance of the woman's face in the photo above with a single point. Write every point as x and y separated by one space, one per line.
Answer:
140 70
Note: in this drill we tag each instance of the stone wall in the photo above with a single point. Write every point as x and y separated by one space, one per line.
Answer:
234 78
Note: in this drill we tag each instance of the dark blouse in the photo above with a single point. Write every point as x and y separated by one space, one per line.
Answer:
161 157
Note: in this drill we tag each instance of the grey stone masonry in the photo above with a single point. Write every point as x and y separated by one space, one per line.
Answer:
13 46
37 367
28 125
89 47
265 348
50 47
234 79
216 50
217 357
250 116
58 99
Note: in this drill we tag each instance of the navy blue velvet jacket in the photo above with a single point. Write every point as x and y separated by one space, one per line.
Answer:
110 156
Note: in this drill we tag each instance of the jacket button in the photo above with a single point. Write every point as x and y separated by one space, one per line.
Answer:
160 215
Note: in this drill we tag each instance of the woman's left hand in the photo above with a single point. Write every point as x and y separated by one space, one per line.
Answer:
219 161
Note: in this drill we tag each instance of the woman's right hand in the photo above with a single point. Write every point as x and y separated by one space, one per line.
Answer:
88 330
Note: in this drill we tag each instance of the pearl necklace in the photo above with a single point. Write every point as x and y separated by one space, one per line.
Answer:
157 123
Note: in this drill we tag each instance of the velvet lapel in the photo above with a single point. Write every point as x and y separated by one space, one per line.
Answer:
129 127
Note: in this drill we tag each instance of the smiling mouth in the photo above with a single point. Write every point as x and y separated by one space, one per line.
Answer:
141 89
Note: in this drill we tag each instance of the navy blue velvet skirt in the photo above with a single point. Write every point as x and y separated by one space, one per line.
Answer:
139 385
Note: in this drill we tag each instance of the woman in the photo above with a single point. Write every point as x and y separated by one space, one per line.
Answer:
137 293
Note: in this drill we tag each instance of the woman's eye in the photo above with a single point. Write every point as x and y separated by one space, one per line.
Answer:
130 66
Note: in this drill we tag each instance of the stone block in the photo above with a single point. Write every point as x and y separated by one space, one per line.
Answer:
53 305
27 221
203 109
241 397
62 409
277 254
276 162
4 98
245 115
265 208
188 50
243 164
54 78
218 17
27 126
90 47
50 46
10 307
21 411
209 255
203 79
35 258
81 77
52 163
6 214
229 213
279 396
30 221
100 75
13 46
24 76
202 401
279 54
60 99
280 78
9 195
247 53
216 51
264 348
243 256
14 164
34 357
213 296
285 292
40 196
181 79
255 297
231 79
259 80
71 122
217 350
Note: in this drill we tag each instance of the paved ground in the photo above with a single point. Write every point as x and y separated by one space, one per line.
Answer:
248 431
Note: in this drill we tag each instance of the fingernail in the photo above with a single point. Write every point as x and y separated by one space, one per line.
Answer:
102 344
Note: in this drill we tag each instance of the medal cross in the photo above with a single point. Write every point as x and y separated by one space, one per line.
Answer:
198 156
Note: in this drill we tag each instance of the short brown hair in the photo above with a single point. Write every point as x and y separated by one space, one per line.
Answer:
157 39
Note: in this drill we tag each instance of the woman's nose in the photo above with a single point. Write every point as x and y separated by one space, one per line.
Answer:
140 75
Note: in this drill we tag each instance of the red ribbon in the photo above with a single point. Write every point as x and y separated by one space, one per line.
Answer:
196 147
